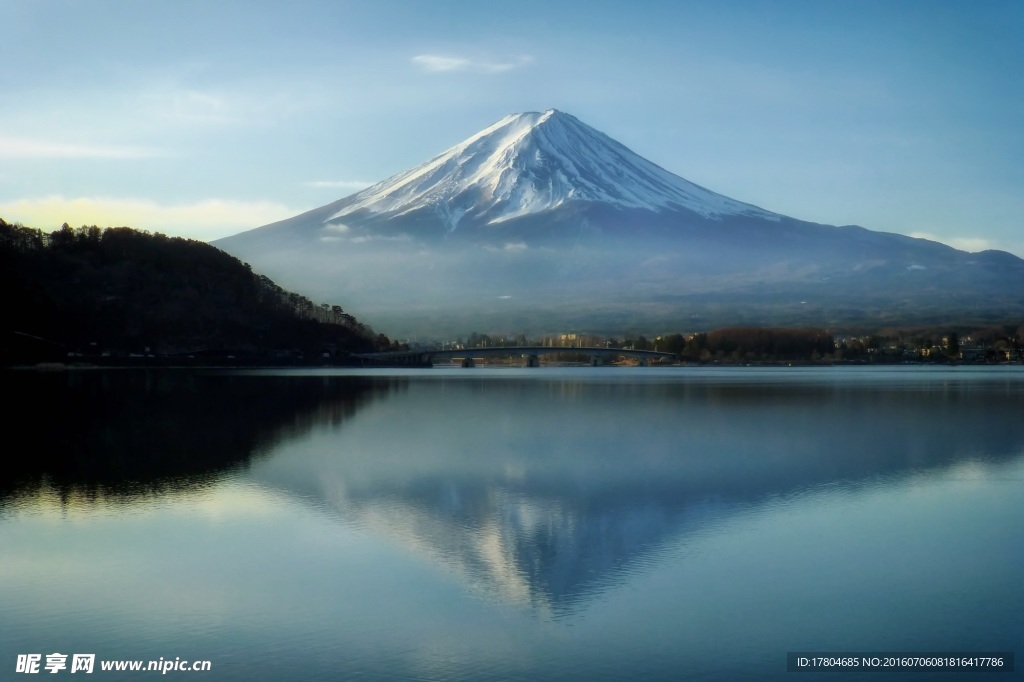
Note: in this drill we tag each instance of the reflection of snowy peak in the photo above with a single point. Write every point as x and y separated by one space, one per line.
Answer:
532 162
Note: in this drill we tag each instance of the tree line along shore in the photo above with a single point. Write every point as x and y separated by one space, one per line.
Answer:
123 295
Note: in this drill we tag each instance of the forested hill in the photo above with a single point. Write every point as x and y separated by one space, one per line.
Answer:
118 292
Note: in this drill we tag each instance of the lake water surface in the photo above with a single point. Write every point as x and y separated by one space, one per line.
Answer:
531 524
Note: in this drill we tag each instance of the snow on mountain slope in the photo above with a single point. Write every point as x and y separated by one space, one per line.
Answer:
531 162
541 222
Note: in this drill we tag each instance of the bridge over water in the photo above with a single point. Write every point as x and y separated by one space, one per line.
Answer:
531 355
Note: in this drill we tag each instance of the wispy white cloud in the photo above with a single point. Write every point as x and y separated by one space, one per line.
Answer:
436 63
193 105
339 232
228 107
29 148
353 185
507 247
206 220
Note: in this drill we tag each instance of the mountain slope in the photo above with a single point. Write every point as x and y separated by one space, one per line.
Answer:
540 222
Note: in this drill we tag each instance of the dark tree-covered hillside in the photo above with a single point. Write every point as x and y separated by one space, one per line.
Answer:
118 291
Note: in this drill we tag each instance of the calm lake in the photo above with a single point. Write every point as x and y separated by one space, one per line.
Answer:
526 524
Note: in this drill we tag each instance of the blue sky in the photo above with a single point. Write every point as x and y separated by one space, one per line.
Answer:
206 118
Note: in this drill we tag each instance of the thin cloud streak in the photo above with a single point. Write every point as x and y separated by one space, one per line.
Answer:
28 148
435 63
231 106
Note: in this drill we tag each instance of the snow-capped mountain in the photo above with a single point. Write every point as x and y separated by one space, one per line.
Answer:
528 163
540 222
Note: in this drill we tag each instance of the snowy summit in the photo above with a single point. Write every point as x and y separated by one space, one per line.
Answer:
532 162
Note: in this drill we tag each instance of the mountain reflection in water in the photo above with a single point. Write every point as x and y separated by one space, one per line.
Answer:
544 492
534 490
542 524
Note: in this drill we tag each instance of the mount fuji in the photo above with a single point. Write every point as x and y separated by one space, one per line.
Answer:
542 223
